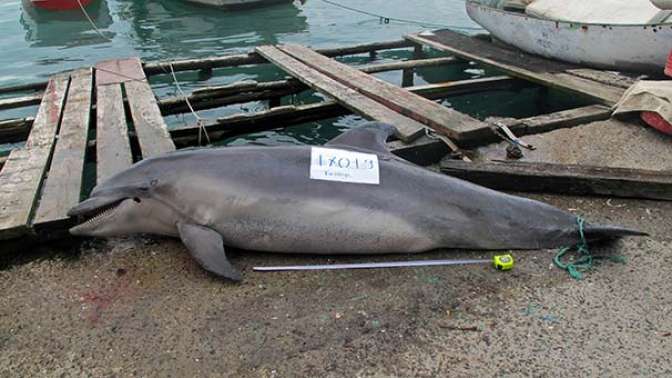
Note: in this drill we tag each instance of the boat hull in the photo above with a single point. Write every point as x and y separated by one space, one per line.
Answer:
238 4
57 5
639 48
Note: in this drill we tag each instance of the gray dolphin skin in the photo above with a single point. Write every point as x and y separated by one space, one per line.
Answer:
263 199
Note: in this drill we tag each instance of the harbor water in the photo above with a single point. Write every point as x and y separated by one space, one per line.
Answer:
36 44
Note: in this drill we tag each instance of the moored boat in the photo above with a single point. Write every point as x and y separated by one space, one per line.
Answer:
238 4
580 38
56 5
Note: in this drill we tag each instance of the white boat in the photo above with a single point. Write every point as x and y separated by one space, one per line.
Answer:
614 44
238 4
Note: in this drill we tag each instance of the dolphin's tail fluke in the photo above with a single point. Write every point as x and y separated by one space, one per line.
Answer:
599 231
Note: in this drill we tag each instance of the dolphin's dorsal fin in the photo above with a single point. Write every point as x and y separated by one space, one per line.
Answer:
371 136
207 248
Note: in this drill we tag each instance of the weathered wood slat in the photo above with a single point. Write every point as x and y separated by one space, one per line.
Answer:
19 102
22 174
460 87
118 71
150 127
18 129
518 64
447 121
267 120
155 68
63 185
614 79
205 100
38 86
547 122
426 150
251 85
113 148
15 130
213 97
559 120
564 179
407 64
409 129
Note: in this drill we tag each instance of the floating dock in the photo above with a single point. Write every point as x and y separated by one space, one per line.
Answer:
105 118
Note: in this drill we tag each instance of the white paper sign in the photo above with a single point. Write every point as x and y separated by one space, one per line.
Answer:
344 166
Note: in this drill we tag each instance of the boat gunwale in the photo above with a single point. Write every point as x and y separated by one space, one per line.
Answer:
476 3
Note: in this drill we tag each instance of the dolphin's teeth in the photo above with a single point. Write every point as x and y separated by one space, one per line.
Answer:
101 214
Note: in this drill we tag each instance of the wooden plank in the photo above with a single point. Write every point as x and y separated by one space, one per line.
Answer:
425 151
559 120
516 63
155 68
15 130
564 179
214 97
241 124
407 64
460 87
408 129
113 148
267 120
544 123
149 125
37 86
254 86
20 102
63 185
22 174
454 124
118 71
614 79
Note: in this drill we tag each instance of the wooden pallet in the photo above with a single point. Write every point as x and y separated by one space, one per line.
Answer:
41 181
600 86
371 97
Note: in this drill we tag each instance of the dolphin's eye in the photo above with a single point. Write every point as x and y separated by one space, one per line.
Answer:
136 199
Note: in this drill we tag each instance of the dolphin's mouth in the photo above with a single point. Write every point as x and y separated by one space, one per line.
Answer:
90 219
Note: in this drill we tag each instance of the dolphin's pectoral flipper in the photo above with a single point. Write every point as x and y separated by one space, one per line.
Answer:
207 248
371 136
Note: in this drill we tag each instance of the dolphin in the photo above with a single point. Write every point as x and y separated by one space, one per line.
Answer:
265 199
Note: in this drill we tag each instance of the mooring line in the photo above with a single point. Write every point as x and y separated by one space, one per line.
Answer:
200 121
93 24
386 20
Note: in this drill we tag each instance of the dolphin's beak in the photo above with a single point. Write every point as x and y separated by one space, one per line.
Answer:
93 212
91 205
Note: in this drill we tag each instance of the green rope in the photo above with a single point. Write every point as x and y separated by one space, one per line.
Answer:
586 258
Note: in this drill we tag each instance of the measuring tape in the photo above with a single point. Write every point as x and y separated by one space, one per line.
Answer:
503 262
500 262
